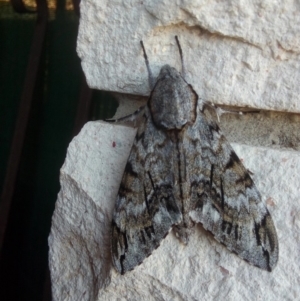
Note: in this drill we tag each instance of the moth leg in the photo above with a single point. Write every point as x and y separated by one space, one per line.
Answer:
236 111
131 118
183 70
182 233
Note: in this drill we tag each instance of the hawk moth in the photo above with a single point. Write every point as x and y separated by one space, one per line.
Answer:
182 171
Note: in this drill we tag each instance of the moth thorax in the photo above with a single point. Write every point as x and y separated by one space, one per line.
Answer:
172 102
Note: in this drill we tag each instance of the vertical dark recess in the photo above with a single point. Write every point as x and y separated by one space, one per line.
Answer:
24 255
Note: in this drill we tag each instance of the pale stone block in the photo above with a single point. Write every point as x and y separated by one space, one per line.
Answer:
238 53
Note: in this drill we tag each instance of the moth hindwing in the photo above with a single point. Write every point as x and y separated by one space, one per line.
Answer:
182 171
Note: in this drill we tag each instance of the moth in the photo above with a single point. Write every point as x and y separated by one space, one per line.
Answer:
182 171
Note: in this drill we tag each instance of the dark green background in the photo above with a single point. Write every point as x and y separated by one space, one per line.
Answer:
23 262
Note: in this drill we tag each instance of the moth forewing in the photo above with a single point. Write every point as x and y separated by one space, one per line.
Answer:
182 171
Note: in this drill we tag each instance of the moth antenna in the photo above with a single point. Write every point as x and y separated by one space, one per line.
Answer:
181 58
150 75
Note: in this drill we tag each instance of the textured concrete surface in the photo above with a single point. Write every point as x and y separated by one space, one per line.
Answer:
237 53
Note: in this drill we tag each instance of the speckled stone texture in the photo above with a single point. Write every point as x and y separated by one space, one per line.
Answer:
242 53
237 53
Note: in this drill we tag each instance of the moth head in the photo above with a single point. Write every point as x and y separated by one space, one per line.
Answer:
172 101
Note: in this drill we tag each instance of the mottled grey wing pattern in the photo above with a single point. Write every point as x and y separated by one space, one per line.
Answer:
182 171
146 207
224 198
